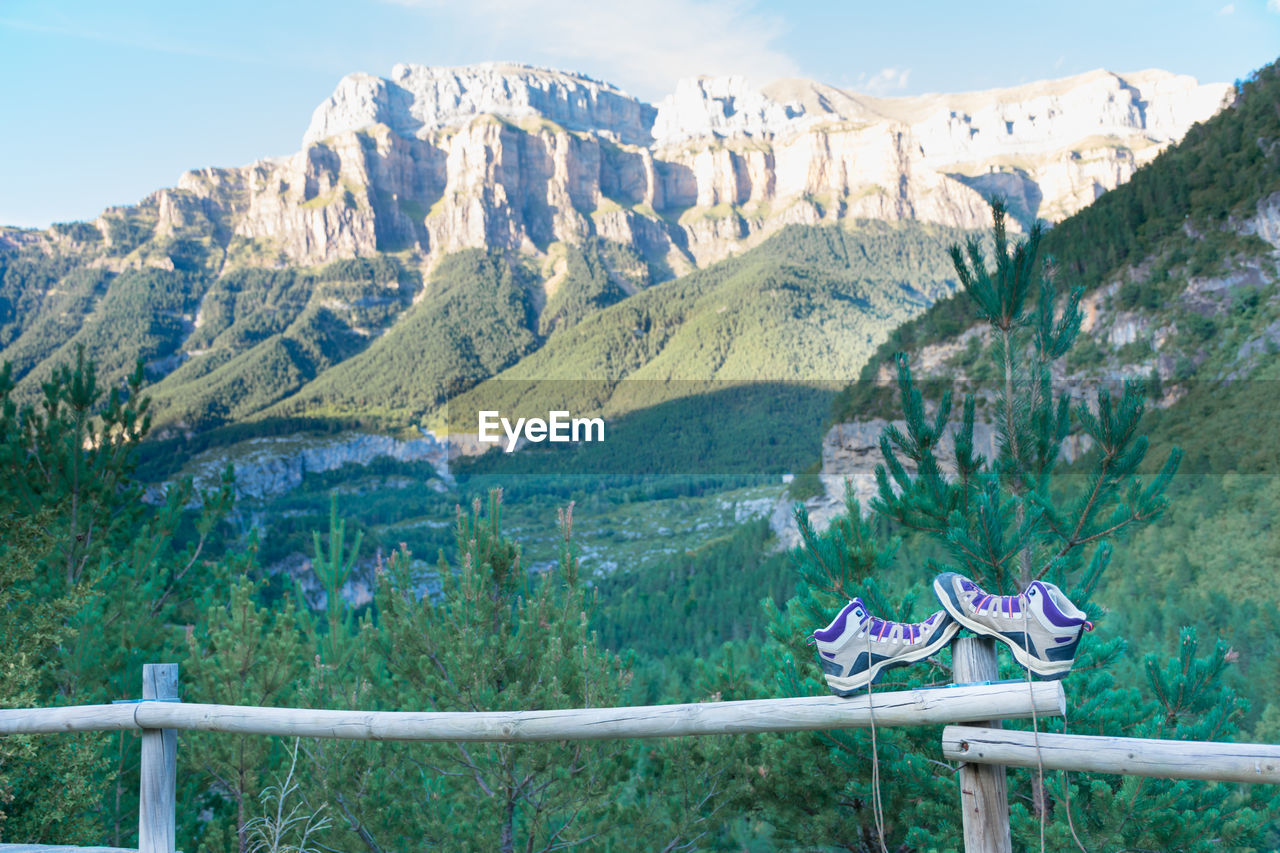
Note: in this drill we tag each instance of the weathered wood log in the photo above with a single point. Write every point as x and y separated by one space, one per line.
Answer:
1170 759
74 718
902 708
59 848
984 797
899 708
157 792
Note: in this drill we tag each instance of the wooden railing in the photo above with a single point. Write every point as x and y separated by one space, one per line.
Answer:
983 749
1129 756
806 713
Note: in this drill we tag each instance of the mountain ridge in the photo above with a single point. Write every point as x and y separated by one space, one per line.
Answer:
515 158
241 288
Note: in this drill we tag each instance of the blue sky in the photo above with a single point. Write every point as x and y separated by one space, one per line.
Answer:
104 102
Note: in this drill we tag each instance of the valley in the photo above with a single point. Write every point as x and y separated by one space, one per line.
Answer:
744 285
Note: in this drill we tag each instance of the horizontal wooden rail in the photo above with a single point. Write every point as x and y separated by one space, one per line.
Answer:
901 708
1171 759
62 848
73 718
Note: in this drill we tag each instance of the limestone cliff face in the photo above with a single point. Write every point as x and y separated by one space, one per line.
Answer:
512 157
272 466
416 100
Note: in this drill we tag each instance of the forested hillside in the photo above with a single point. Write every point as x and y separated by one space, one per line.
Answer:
1181 217
807 305
372 339
1181 289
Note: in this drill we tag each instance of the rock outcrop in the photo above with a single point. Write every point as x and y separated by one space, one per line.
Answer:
272 466
1265 224
516 158
850 454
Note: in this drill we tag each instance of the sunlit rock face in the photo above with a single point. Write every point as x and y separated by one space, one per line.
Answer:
516 158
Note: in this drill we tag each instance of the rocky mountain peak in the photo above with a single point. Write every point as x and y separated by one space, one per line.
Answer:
519 158
1158 104
720 107
417 99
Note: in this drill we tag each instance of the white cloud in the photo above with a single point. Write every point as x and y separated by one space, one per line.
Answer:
1229 9
1273 6
644 47
883 82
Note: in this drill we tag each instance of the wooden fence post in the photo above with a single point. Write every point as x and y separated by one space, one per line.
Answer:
984 798
157 793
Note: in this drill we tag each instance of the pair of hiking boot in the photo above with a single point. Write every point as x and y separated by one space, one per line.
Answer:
1040 626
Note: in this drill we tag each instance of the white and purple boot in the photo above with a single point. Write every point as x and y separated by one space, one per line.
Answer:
1041 626
857 647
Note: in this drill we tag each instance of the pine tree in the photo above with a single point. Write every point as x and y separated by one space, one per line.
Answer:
1019 516
360 782
48 786
241 653
67 472
821 790
1184 699
500 637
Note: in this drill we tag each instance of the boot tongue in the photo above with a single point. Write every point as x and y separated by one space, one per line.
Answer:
1050 607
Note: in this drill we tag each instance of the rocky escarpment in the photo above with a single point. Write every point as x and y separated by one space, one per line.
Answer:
850 454
272 466
516 158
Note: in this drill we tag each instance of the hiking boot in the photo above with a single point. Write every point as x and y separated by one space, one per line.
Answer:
857 647
1040 626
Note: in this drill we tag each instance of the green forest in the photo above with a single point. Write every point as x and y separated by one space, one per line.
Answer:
369 339
522 584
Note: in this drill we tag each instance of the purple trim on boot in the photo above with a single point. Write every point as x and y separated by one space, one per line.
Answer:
832 632
1051 611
